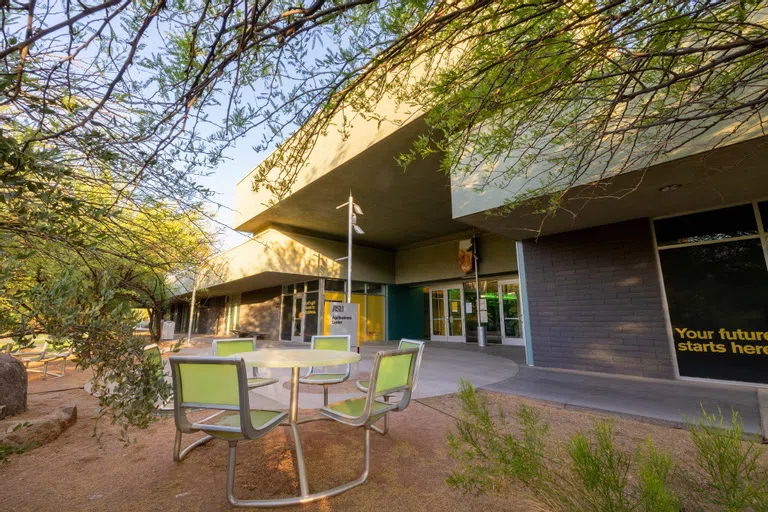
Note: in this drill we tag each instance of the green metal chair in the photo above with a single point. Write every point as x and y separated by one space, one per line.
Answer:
405 343
153 353
230 346
328 342
218 383
392 373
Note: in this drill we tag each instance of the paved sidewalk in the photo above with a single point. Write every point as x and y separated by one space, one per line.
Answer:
502 368
662 401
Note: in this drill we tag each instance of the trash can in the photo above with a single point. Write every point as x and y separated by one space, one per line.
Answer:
166 333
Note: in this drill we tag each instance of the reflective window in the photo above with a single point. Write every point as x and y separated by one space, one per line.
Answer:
375 289
313 286
335 285
285 323
705 226
718 306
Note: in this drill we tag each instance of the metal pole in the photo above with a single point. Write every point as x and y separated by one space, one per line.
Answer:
351 211
192 311
481 335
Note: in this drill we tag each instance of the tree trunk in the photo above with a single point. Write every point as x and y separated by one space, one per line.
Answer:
155 324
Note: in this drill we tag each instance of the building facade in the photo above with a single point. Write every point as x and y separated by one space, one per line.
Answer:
670 281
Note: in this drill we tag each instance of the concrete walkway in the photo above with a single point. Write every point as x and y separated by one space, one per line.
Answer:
664 401
502 369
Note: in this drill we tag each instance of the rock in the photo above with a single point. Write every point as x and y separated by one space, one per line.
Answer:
13 386
34 432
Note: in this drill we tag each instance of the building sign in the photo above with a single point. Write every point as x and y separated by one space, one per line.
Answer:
717 293
344 319
466 256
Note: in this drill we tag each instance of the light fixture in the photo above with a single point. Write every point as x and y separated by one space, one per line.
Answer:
669 188
358 229
357 208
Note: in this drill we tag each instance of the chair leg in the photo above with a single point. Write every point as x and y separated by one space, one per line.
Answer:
231 459
179 454
325 395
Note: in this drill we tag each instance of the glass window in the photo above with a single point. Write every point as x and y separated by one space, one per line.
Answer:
358 287
285 323
718 306
455 324
313 286
310 315
438 313
287 289
511 310
374 317
299 287
375 289
335 285
705 226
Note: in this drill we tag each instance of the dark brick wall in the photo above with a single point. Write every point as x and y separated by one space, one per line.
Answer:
595 302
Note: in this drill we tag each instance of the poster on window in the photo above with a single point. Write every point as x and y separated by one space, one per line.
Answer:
718 306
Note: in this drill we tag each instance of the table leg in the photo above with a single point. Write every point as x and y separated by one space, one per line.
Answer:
293 419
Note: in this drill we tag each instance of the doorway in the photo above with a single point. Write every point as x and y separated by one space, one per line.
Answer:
511 313
297 324
446 313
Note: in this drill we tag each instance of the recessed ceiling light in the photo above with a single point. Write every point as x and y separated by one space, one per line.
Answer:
669 188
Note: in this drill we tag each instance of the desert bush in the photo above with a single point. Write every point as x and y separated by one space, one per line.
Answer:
593 473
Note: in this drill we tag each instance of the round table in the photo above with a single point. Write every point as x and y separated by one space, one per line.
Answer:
296 359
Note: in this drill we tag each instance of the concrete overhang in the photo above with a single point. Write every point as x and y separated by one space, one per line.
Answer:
274 257
729 175
400 207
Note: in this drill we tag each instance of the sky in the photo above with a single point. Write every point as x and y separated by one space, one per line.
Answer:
241 159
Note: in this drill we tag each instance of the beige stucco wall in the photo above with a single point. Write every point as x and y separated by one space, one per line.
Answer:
287 253
438 262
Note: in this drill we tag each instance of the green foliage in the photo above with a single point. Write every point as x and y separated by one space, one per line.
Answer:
654 474
736 481
492 459
601 469
7 449
594 474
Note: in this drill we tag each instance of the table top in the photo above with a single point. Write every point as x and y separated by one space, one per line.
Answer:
295 358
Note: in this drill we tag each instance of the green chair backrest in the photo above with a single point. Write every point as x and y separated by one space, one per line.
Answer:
208 385
225 348
406 344
394 372
152 355
331 342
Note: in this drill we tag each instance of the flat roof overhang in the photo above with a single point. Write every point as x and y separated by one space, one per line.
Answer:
720 177
255 282
400 207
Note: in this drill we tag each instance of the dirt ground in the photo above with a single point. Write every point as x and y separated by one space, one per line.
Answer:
409 466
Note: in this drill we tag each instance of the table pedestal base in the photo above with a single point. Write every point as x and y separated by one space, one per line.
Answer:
306 496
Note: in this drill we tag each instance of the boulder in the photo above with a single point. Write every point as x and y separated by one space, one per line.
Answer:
34 432
13 386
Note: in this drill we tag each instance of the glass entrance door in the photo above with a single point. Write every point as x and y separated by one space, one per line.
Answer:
511 313
297 327
446 314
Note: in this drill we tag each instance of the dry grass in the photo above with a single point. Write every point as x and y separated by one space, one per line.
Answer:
409 467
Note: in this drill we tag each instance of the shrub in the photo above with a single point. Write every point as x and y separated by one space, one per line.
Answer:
594 474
